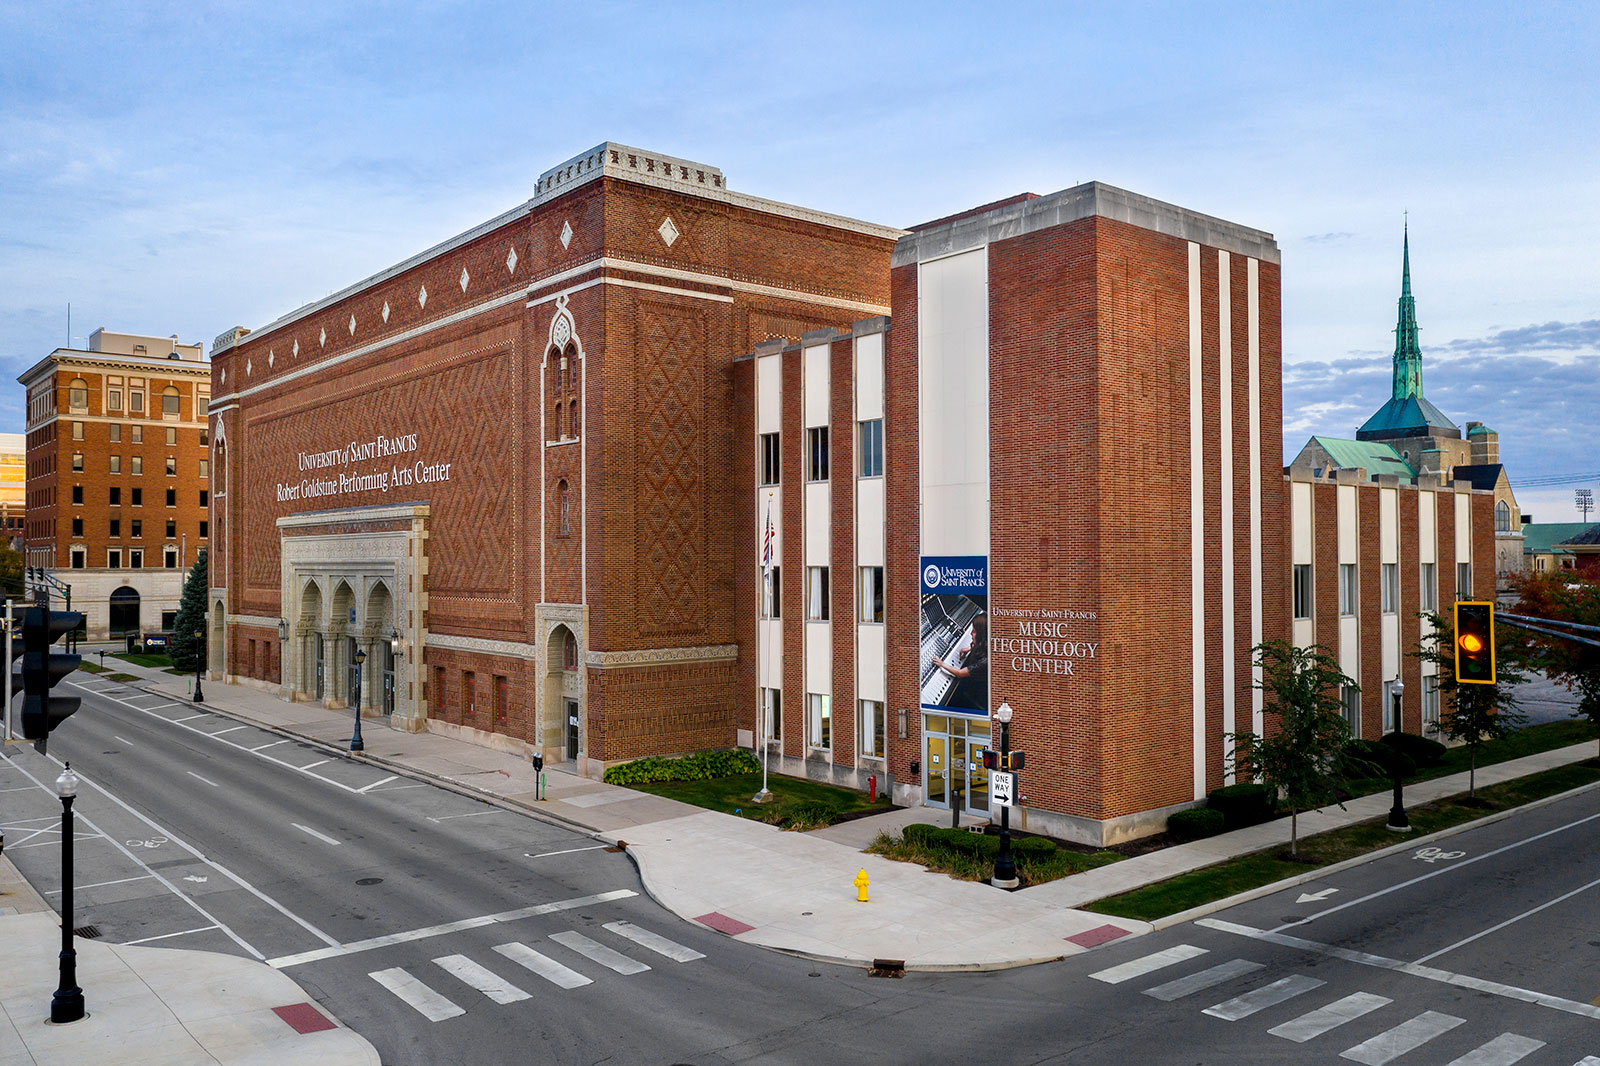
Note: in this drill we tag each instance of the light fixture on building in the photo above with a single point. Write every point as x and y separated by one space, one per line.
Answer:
394 642
283 629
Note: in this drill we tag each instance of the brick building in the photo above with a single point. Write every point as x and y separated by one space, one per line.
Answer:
13 486
118 478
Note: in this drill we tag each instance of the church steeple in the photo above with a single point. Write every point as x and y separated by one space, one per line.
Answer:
1407 349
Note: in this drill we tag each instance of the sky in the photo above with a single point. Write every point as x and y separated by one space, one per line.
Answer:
187 168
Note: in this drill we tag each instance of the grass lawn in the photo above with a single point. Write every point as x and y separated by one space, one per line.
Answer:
1032 869
122 677
1252 871
731 795
139 658
89 667
1530 741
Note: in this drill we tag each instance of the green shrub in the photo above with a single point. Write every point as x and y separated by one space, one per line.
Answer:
804 817
1196 823
700 766
1420 750
1033 847
1370 758
1242 804
918 833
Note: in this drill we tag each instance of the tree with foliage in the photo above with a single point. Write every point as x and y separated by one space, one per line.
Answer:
11 564
1566 597
182 644
1474 713
1300 759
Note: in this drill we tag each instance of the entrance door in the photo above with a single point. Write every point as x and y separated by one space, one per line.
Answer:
319 666
572 730
124 612
352 681
388 678
953 750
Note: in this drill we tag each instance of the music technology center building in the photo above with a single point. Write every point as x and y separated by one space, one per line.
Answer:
646 466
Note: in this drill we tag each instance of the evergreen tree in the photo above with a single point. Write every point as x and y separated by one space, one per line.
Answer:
1300 759
1475 713
182 644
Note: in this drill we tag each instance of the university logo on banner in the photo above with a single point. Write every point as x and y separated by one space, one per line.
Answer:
955 634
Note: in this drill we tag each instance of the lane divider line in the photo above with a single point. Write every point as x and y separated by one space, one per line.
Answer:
1510 921
207 780
324 837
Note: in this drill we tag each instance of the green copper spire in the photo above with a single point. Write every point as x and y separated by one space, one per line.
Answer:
1407 350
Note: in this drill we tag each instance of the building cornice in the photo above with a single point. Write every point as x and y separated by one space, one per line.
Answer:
151 366
345 515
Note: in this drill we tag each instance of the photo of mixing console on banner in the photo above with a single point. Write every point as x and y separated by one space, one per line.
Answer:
955 634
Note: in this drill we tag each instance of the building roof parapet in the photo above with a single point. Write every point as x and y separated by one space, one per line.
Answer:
150 364
1013 219
826 335
865 327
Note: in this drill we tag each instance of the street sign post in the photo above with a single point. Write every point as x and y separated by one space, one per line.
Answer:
1003 789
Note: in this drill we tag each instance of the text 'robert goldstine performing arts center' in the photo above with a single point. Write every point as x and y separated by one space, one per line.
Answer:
648 466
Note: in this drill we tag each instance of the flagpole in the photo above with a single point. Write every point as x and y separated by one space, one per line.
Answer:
765 795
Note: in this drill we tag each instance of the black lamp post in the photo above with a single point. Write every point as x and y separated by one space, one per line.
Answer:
67 1004
356 743
199 662
1398 822
1005 867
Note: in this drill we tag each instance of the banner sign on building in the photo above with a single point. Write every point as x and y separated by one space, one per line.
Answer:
955 634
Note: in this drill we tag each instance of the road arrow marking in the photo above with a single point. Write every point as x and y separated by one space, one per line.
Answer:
196 879
1313 897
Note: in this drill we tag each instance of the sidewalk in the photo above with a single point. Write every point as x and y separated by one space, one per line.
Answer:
152 1006
794 892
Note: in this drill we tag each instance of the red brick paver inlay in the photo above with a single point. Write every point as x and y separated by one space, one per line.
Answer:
304 1018
1093 938
723 924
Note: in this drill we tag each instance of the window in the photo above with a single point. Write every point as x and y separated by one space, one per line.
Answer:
172 497
1390 577
1430 705
169 402
469 682
136 527
1388 706
77 462
113 399
771 459
1350 707
1463 581
138 497
772 593
136 401
500 700
205 438
572 418
1502 517
871 448
77 494
136 464
872 593
1302 590
1347 588
870 728
138 434
172 528
569 652
113 558
205 468
116 495
77 527
560 413
172 436
819 717
817 593
116 527
78 396
116 464
77 558
172 466
564 508
136 558
202 405
205 529
1428 592
817 453
772 713
438 687
77 431
114 433
171 558
205 498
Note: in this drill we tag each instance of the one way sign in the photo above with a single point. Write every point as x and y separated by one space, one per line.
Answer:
1003 789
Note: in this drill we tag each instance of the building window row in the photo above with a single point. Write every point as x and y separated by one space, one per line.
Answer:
171 400
79 560
869 451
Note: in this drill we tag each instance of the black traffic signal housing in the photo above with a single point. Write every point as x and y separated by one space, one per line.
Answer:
991 759
1475 642
42 669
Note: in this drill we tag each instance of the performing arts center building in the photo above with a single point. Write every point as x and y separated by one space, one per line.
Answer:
648 466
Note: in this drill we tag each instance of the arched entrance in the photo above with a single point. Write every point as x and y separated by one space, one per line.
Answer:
381 634
124 612
311 679
563 703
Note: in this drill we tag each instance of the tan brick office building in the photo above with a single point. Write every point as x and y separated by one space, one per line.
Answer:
118 475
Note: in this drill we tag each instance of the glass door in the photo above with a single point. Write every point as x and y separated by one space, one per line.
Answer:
352 679
388 678
319 665
953 758
572 730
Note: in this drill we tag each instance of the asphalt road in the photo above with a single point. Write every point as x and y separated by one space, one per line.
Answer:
493 937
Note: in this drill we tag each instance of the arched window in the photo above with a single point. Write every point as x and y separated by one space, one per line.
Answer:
572 419
561 375
1502 517
569 653
564 508
560 410
169 402
78 396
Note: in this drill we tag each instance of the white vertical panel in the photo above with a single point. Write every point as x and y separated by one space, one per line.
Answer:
819 527
1253 310
1300 532
1225 450
872 657
1464 536
1389 646
816 388
771 666
1388 526
953 403
1197 534
819 657
869 522
1348 541
769 394
869 376
1427 527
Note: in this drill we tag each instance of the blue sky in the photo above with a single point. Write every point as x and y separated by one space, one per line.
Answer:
190 167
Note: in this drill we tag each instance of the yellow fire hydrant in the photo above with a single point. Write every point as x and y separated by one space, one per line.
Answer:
861 886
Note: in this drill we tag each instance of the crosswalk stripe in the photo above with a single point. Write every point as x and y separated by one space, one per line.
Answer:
486 981
430 1004
1407 1036
1335 1014
1127 971
656 943
1589 1060
597 952
543 965
1199 982
1261 998
1503 1050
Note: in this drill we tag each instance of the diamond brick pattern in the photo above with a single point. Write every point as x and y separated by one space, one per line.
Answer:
671 579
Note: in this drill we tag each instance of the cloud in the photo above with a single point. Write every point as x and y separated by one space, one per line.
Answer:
1325 238
1547 336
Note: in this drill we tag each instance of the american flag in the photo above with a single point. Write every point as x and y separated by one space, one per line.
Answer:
766 542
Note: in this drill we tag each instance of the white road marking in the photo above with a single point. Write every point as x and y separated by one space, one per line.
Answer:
1407 1036
1332 1016
564 851
1127 971
264 747
1429 973
469 814
430 1004
1503 1050
485 981
335 951
165 936
207 780
1589 1060
230 729
598 952
19 788
319 762
192 717
124 740
1261 998
655 942
324 837
375 784
397 788
1510 921
543 965
102 884
1316 897
1199 982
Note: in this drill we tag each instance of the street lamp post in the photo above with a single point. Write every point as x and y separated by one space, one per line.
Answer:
67 1004
356 743
199 662
1005 867
1398 822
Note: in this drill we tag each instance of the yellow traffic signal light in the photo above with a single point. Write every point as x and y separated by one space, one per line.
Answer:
1475 642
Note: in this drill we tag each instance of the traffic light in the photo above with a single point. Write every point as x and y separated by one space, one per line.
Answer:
1475 642
42 668
991 759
